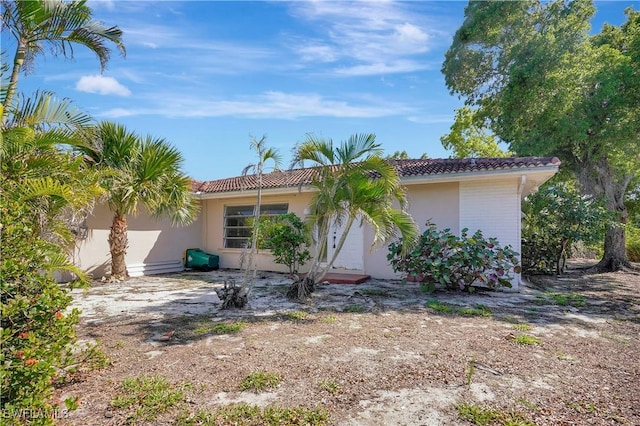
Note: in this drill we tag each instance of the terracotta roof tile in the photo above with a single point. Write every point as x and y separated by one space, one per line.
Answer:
406 168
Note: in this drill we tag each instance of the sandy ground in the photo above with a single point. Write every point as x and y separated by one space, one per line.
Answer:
391 359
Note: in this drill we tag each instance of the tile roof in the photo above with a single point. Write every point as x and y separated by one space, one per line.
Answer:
406 168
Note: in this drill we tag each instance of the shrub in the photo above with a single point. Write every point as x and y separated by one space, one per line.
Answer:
633 243
456 262
555 218
285 236
37 329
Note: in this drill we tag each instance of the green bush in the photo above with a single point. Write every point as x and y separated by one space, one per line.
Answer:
555 218
285 236
440 257
37 329
633 243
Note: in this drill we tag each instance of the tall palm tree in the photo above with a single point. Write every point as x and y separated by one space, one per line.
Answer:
238 296
352 182
58 24
139 172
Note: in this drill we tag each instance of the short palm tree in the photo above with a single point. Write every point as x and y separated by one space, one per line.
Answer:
58 24
353 182
139 172
40 168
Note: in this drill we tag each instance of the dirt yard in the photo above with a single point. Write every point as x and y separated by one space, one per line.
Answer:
562 351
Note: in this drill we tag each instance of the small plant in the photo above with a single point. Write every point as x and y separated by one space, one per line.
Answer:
147 397
330 319
285 236
259 381
329 386
525 339
481 416
560 299
248 415
232 328
522 327
442 258
354 308
472 368
220 328
296 315
478 311
439 307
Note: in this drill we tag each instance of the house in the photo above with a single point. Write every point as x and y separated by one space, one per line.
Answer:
482 193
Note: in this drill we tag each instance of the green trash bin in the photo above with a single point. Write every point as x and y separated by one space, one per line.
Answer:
198 259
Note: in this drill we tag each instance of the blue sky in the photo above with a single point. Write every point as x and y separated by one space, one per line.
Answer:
209 75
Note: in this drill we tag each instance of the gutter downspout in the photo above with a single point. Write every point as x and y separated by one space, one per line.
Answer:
523 181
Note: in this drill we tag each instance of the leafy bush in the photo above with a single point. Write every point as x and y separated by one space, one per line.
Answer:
555 218
285 236
633 243
440 257
37 330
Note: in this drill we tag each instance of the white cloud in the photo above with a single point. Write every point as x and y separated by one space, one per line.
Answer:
373 37
101 85
268 105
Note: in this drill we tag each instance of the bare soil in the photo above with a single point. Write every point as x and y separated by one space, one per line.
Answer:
390 359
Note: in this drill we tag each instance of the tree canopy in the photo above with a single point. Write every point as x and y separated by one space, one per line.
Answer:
546 86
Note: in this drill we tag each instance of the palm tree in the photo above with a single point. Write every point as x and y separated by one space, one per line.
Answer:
352 182
238 296
139 171
41 169
58 24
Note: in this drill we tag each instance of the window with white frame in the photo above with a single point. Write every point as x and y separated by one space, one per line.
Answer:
238 220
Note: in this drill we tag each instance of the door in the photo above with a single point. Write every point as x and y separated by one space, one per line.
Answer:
351 256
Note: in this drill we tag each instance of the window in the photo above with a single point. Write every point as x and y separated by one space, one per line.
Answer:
237 222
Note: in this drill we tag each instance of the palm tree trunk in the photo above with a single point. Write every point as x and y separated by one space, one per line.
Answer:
13 82
343 238
118 244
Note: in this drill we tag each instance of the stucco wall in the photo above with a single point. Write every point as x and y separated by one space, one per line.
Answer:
438 202
494 208
150 241
213 227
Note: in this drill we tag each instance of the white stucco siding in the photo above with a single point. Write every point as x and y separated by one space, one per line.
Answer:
435 202
153 243
494 208
213 227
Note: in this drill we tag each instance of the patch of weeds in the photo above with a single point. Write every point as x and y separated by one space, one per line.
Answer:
582 407
510 319
530 405
481 416
296 315
329 319
147 397
439 306
83 358
617 339
259 381
231 328
329 386
354 308
248 415
479 311
526 339
522 327
564 357
220 328
472 367
560 299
